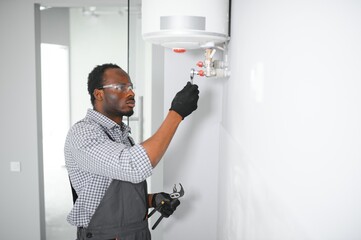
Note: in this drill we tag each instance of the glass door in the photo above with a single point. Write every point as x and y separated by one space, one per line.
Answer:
55 116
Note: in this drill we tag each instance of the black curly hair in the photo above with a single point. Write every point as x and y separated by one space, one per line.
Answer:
95 78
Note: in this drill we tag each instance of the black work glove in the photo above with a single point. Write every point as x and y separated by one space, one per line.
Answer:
164 203
185 101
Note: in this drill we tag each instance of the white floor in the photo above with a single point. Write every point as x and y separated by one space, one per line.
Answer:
58 202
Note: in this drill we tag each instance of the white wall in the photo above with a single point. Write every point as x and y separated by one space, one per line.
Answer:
192 158
290 158
21 198
55 26
283 132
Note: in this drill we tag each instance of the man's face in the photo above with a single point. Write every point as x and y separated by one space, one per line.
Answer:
118 97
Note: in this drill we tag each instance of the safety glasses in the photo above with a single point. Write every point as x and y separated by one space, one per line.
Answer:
122 87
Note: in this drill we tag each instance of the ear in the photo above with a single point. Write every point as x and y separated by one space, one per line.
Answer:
98 94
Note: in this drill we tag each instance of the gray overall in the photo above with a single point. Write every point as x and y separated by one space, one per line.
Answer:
121 214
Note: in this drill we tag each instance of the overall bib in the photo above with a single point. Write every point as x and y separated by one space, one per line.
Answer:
121 214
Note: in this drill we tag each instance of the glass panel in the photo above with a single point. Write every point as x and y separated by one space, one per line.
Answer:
96 38
136 68
88 36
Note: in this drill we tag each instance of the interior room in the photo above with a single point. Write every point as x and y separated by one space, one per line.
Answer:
272 151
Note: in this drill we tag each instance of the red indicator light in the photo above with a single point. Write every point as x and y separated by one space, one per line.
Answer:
179 50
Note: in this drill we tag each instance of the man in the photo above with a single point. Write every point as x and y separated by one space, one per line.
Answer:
107 170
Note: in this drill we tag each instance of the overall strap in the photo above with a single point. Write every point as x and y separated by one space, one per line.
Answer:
73 192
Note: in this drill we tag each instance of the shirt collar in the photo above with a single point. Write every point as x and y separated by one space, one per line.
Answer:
105 121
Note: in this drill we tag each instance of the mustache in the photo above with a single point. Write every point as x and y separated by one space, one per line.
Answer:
130 98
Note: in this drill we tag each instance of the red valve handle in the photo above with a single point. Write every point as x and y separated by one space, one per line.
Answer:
201 73
200 64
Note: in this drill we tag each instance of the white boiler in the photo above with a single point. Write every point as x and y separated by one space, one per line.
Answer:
185 24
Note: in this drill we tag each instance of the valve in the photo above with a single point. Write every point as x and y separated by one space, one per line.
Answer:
212 67
195 72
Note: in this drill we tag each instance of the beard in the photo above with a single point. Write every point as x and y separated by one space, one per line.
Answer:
126 113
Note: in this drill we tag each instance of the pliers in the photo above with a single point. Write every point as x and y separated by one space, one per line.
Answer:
174 195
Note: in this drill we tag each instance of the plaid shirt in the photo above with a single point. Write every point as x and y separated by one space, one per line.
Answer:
98 150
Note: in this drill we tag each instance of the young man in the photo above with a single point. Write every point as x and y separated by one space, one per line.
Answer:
107 170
